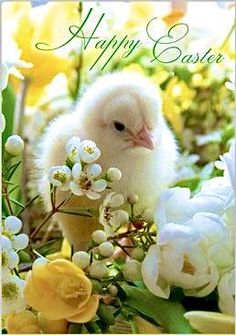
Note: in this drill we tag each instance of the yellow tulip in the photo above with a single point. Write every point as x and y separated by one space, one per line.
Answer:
211 322
145 327
22 323
60 290
51 326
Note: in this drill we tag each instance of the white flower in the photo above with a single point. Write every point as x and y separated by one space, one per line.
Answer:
114 174
10 259
13 295
72 149
81 259
226 291
132 270
12 224
227 163
98 270
20 241
89 152
112 219
183 257
106 249
84 182
59 176
14 145
5 243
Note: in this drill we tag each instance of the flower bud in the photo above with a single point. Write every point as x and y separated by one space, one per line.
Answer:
132 270
40 261
98 270
20 241
81 259
99 236
138 254
13 224
106 249
147 215
114 174
132 199
112 290
14 145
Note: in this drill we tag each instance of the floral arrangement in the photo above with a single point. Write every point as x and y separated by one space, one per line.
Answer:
167 270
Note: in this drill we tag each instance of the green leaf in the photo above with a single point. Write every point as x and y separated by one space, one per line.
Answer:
169 314
105 313
50 247
11 171
191 183
17 203
75 328
79 212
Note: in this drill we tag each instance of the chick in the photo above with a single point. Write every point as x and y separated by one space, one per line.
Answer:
121 113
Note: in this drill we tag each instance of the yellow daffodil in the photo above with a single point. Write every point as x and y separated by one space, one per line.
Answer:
60 290
211 322
52 326
145 327
25 322
140 13
33 26
64 253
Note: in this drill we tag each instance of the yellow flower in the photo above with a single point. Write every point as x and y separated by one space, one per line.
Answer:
145 327
172 112
60 290
64 253
33 25
211 322
22 323
52 326
140 14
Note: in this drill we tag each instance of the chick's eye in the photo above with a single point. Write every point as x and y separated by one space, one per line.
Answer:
119 126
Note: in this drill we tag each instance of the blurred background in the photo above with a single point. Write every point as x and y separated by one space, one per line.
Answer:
198 99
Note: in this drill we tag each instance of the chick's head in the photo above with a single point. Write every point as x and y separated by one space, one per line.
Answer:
122 112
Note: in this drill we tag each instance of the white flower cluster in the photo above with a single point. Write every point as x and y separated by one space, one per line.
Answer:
81 175
195 248
12 285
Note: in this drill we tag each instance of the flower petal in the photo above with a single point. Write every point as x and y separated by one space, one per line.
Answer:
99 185
88 311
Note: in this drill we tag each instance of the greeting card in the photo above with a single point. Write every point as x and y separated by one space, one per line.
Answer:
118 156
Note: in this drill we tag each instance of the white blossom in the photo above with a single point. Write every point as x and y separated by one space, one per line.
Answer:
86 182
59 176
12 224
114 174
106 249
99 236
132 270
13 295
98 270
81 259
73 148
20 241
14 145
89 152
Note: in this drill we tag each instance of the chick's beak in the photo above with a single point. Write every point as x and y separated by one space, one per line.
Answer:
144 138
